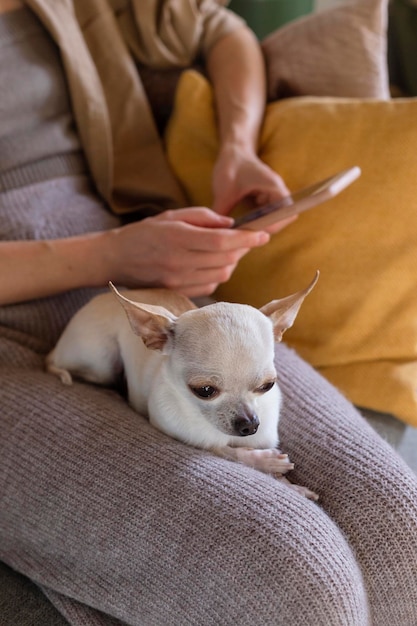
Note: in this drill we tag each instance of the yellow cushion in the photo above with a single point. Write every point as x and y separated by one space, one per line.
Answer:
359 326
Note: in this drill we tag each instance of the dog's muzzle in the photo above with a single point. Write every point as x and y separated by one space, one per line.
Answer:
246 424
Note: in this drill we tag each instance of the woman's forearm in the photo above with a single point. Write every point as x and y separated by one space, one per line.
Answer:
191 250
35 269
236 68
237 72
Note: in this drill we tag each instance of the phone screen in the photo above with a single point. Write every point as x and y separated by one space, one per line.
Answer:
300 200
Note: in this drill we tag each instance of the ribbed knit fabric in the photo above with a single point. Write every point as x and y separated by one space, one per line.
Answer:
80 614
38 139
23 604
365 487
120 524
71 164
109 512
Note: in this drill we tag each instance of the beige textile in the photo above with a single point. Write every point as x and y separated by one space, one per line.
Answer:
341 51
96 39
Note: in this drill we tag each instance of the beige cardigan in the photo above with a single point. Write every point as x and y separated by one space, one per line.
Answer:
99 42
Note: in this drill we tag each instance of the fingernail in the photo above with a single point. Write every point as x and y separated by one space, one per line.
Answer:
263 238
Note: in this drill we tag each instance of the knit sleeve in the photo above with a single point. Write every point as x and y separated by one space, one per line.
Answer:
170 33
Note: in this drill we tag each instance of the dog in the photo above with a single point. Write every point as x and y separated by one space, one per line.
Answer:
205 376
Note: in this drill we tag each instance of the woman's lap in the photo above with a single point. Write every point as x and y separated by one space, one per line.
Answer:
101 508
110 512
365 487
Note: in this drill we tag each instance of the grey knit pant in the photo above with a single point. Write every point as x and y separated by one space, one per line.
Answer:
119 524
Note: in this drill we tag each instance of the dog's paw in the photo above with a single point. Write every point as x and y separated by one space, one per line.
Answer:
304 491
270 461
64 375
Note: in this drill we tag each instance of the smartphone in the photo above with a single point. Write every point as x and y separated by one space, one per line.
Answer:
298 202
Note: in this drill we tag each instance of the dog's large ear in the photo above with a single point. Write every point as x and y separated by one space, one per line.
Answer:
152 323
284 311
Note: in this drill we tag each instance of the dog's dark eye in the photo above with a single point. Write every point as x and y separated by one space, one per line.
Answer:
266 387
207 392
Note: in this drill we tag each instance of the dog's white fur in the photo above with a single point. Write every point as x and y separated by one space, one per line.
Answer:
178 352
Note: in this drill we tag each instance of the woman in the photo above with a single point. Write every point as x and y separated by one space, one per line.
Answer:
158 251
114 521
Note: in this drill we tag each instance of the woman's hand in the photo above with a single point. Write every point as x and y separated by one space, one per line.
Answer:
239 175
190 250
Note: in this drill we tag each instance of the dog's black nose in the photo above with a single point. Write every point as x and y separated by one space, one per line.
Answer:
245 425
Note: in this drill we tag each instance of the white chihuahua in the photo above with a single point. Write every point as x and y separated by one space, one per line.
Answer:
205 376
